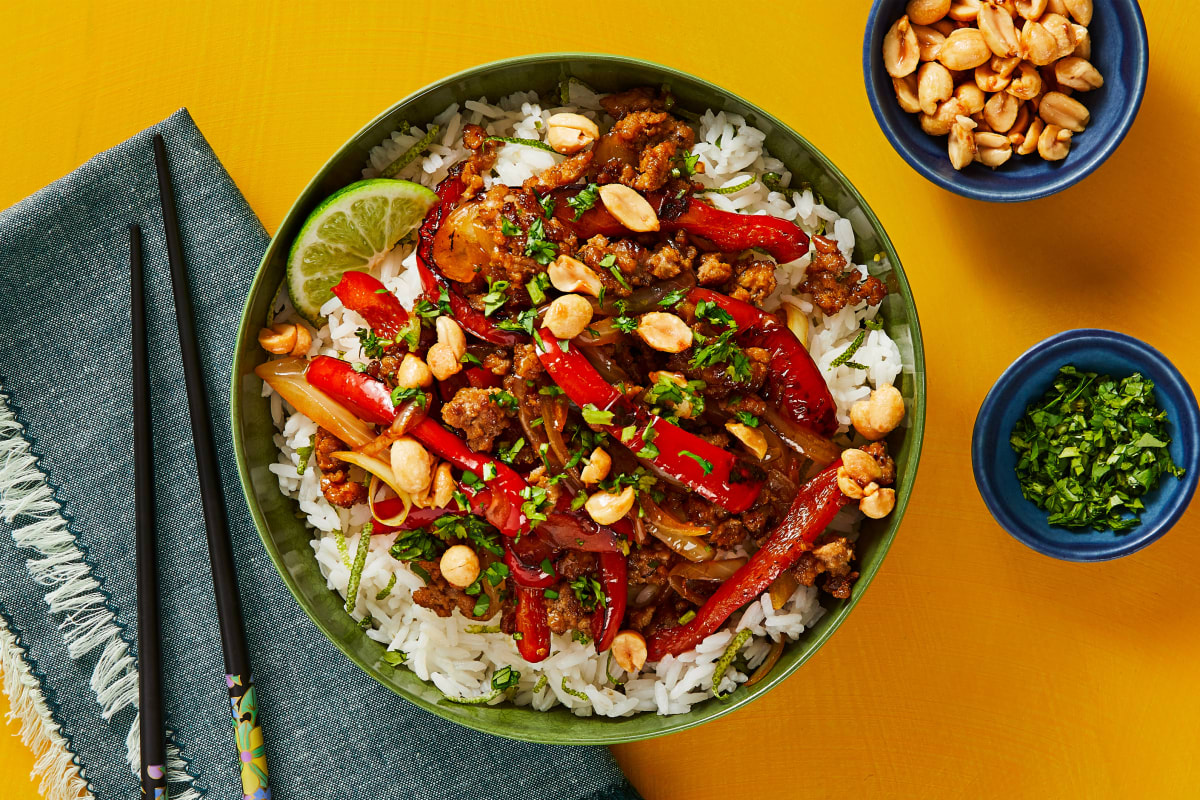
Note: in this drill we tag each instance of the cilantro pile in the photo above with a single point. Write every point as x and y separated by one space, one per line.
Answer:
1091 448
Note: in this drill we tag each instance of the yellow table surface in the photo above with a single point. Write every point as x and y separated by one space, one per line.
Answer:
973 667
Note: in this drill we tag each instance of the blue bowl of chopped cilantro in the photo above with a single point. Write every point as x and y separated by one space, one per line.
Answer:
1113 462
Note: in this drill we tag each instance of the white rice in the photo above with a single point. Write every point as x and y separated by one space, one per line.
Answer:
443 650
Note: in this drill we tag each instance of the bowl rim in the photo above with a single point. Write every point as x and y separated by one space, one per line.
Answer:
1070 175
612 732
986 431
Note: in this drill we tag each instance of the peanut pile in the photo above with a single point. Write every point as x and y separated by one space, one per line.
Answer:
996 77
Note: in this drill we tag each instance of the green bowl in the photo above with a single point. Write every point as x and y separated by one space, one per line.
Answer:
286 537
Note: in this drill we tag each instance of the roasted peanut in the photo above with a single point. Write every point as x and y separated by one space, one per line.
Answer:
605 508
303 341
1016 134
1030 143
1026 83
880 414
964 49
630 208
929 41
901 53
906 94
412 465
1057 7
598 465
629 651
939 124
459 566
665 332
971 96
279 339
753 438
964 10
413 373
1066 112
570 133
1052 145
443 486
568 316
1038 45
878 505
571 275
1063 32
1077 73
998 30
926 12
1083 42
1080 10
861 466
946 26
993 149
1031 9
1000 111
445 356
990 79
962 144
934 84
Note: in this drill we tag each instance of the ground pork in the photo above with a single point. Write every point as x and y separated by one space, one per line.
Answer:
832 286
335 474
475 413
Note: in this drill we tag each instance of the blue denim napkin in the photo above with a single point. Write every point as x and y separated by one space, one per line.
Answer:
66 520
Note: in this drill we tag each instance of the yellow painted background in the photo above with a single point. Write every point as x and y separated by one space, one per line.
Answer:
973 667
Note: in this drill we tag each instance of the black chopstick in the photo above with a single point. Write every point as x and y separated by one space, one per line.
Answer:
252 756
154 756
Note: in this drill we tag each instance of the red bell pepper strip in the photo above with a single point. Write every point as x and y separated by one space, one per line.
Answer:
505 485
417 517
367 397
815 506
613 576
728 230
532 624
531 550
370 400
449 191
360 292
707 469
481 378
794 382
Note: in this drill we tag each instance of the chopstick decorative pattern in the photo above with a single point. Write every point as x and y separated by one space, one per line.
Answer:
242 697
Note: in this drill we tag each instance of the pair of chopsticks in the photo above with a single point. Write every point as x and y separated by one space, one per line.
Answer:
243 700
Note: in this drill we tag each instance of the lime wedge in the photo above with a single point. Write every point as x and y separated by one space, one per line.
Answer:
352 229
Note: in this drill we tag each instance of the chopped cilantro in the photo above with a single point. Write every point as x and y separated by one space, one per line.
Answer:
505 678
704 463
470 358
495 298
401 393
537 246
359 367
522 323
747 419
537 288
395 658
547 204
588 592
711 312
489 472
507 454
303 454
673 298
686 165
721 350
1091 448
551 391
594 416
577 501
416 545
688 617
586 198
372 345
472 528
550 594
625 324
503 399
508 228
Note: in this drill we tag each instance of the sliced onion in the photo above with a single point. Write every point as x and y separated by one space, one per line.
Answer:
380 470
709 571
601 332
391 522
406 419
643 595
608 369
782 589
797 321
286 376
462 242
647 298
768 664
693 548
803 440
659 518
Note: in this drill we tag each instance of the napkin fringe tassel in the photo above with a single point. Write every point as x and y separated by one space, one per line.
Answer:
88 621
54 767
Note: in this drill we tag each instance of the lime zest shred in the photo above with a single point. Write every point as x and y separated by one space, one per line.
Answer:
360 561
541 683
409 155
385 591
572 692
304 454
527 142
482 629
340 538
848 353
737 187
474 701
564 89
608 673
726 659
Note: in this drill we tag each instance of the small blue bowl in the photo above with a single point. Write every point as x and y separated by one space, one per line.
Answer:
994 461
1119 50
